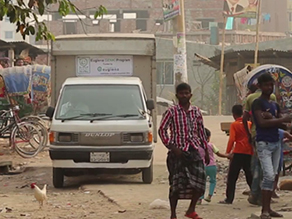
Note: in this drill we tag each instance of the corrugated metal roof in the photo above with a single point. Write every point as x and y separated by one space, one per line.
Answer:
105 35
250 53
24 45
21 45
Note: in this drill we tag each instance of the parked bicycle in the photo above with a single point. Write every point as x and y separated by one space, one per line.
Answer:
27 136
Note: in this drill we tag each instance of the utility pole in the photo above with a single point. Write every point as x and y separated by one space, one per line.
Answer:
180 52
257 34
222 68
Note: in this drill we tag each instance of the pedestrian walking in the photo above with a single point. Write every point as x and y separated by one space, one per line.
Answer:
242 151
184 163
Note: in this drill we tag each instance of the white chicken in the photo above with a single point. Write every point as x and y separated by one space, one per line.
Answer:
39 194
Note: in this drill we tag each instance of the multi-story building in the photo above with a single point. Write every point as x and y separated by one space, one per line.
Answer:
146 16
8 31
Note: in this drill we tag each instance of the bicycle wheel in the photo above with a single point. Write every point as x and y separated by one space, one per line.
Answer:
23 140
38 122
45 122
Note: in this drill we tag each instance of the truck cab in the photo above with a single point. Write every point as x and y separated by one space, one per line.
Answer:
104 119
101 123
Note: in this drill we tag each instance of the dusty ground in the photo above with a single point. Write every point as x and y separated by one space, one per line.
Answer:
115 196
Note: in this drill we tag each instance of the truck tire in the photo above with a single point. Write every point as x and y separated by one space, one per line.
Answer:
147 174
58 177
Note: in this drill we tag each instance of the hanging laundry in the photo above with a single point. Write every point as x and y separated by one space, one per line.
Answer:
266 17
252 21
229 23
243 20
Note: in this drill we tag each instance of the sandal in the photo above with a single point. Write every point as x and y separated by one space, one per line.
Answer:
265 216
193 215
207 199
275 214
225 202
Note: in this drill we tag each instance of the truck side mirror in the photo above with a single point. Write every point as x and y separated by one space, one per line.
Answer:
150 104
50 112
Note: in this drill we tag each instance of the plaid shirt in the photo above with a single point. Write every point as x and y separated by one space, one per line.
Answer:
186 128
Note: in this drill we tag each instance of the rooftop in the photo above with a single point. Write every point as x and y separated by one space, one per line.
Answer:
102 80
105 35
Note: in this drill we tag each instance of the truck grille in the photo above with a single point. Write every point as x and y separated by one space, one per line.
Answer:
75 137
126 138
100 139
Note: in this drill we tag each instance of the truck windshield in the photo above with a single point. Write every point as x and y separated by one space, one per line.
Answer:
87 102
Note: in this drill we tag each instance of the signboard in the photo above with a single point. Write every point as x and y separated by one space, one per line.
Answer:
240 8
240 82
171 9
104 66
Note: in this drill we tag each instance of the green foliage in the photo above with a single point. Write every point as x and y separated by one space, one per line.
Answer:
25 15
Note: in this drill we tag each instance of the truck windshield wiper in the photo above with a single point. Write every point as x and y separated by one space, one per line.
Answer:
113 116
85 114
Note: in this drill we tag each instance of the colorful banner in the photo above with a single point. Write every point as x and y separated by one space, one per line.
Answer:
240 8
41 76
171 9
17 79
26 83
40 92
283 83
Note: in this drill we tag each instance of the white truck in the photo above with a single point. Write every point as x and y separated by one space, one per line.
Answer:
104 119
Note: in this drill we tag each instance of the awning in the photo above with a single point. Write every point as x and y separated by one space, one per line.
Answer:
21 45
207 61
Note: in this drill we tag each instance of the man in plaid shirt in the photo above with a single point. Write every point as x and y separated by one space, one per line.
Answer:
184 163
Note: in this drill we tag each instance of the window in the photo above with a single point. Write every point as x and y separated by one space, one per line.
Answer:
164 71
78 100
8 34
69 27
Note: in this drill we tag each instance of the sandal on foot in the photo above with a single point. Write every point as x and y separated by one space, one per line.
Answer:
225 202
207 199
265 216
275 214
193 215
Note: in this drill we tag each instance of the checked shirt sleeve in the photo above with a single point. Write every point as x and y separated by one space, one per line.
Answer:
164 126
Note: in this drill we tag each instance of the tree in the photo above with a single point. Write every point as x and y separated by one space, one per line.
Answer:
23 13
202 78
213 96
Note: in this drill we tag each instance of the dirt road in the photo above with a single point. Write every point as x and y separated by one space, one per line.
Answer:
115 196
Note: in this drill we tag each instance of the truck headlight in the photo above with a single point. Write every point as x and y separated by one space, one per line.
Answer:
65 137
137 138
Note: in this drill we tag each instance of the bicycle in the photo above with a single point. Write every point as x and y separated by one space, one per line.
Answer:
13 127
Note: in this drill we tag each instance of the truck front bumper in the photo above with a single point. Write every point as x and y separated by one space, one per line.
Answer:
122 157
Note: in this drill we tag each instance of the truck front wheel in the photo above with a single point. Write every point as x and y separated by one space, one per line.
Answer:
147 174
58 177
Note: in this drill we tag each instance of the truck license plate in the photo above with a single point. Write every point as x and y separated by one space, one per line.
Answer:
99 157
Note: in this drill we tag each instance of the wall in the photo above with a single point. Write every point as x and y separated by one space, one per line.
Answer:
147 11
277 9
289 3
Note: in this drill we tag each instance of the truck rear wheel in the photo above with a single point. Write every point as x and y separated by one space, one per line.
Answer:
147 174
58 177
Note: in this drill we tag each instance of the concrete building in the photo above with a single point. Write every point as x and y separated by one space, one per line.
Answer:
146 16
8 31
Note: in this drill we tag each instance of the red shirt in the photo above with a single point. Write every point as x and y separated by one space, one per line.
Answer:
238 139
186 128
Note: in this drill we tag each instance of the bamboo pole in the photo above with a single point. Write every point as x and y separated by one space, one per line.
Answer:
222 68
256 52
